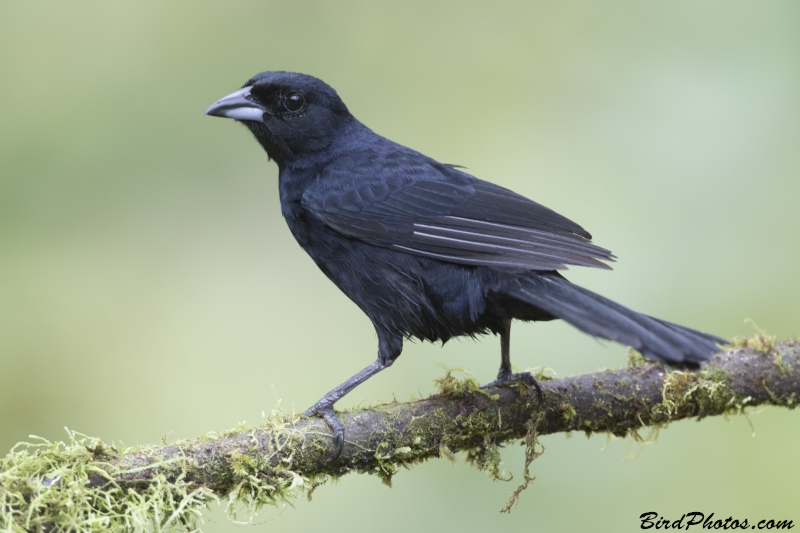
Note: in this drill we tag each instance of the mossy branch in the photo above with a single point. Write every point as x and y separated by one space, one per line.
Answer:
86 485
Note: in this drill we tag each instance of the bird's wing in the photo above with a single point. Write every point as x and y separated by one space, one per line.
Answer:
445 214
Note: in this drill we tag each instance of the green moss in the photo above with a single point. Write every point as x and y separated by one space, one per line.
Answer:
258 479
760 342
541 373
636 359
446 453
533 450
386 467
636 438
488 422
703 393
487 459
704 390
70 486
46 485
450 385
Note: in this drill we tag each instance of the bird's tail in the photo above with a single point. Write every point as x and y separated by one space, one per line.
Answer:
656 339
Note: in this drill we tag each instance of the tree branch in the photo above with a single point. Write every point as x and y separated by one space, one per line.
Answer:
289 454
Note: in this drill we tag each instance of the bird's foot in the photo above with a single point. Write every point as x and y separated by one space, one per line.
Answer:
325 410
504 380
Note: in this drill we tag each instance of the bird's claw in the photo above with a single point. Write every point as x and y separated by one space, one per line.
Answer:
325 410
504 380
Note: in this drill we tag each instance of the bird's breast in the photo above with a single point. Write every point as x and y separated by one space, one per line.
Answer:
406 294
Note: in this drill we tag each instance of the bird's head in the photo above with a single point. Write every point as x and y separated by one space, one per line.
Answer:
291 115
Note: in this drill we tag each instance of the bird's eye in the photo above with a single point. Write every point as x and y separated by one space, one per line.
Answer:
294 102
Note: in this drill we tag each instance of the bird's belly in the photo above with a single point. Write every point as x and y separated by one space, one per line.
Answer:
401 293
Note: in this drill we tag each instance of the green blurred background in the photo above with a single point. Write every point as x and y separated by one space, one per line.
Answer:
149 286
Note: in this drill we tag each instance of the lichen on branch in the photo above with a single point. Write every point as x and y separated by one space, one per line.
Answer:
85 485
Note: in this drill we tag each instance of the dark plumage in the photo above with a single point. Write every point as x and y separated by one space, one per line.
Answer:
424 249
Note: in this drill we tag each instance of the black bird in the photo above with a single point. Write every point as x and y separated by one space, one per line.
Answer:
423 248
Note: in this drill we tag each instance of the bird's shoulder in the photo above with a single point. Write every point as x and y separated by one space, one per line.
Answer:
383 175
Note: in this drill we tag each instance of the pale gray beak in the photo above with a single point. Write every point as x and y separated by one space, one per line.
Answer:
238 106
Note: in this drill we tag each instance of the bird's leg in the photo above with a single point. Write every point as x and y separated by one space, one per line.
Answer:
324 407
389 348
506 376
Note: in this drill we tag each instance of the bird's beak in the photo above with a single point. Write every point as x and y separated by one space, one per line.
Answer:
239 106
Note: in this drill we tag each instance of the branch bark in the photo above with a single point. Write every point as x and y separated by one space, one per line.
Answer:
380 439
85 485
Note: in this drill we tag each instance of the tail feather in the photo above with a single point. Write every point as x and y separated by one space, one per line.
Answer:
655 338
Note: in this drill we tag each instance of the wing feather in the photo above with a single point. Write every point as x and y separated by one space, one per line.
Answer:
443 213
